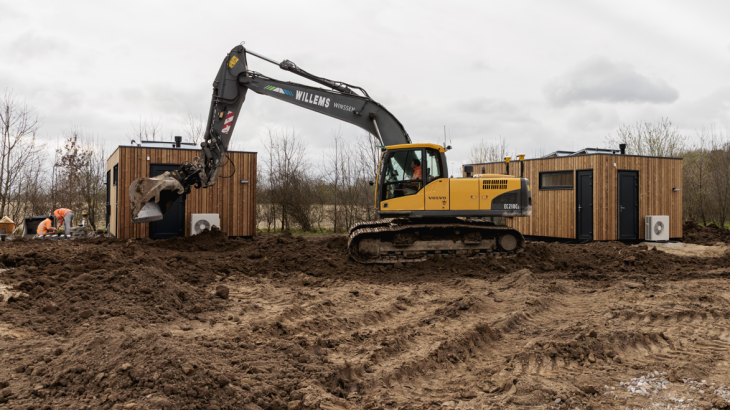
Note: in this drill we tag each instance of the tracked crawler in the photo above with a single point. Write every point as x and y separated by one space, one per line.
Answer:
406 240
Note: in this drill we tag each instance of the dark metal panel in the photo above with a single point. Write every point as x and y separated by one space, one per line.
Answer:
173 223
628 205
584 205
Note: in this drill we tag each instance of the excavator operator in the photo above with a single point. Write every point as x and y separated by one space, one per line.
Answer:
416 175
416 167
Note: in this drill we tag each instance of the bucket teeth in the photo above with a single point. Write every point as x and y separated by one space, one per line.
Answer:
144 190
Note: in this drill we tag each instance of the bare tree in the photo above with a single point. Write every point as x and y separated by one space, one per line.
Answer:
718 176
489 151
333 160
34 198
539 152
694 180
659 139
81 168
287 178
145 130
368 154
194 129
19 150
706 177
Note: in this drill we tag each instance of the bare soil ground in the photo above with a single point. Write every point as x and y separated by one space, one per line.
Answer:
281 322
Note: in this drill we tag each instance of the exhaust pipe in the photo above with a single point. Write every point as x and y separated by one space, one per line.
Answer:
622 147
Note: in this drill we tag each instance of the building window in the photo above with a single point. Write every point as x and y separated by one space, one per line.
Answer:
556 180
116 173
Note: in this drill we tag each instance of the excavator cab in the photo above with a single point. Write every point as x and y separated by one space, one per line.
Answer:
407 172
403 173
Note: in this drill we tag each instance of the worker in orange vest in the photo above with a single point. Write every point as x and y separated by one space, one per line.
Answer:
46 227
64 217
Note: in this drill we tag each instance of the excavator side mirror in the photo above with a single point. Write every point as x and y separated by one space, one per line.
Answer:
371 183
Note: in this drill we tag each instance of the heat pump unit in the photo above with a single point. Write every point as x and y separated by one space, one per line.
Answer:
657 228
201 222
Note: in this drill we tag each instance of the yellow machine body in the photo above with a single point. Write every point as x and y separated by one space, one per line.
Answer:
482 195
455 194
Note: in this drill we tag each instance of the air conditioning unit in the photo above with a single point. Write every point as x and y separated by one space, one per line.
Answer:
201 222
657 228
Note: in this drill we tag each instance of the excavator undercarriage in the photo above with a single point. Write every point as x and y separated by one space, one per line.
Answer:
415 240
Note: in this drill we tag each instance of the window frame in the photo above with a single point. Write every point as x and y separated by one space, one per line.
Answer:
557 187
439 165
406 181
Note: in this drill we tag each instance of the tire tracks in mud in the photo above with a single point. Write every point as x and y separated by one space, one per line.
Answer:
519 340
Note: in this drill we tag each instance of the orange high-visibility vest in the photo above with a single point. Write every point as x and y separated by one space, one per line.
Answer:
60 214
43 227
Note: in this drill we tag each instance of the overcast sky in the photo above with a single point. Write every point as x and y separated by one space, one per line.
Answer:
545 75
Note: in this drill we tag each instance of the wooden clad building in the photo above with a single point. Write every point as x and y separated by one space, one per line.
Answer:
595 194
233 198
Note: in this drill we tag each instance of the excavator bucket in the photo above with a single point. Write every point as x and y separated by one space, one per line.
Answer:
150 198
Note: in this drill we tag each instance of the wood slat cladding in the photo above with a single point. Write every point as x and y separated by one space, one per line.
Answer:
234 201
554 213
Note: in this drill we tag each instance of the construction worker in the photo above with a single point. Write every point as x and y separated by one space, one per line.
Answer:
45 228
64 217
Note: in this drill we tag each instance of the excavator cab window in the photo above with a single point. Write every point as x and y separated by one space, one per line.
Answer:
433 164
403 173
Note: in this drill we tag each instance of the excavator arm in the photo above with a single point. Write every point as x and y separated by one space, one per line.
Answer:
151 197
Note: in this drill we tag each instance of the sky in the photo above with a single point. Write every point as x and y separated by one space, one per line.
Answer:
545 76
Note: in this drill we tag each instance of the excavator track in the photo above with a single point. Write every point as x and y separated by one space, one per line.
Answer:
406 240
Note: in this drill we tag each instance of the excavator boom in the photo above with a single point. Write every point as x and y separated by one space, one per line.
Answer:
150 197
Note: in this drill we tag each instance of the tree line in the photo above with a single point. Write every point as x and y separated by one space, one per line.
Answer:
334 193
705 164
39 176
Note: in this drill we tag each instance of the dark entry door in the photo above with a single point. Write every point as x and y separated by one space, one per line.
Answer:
584 204
628 205
173 223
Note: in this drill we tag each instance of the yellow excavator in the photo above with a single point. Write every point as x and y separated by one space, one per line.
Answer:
424 212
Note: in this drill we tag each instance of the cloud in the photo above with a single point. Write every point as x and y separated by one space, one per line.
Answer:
32 45
7 13
502 110
594 118
480 65
599 79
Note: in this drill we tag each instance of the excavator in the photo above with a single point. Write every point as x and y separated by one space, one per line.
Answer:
423 212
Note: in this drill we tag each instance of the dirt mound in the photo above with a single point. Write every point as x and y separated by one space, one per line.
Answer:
286 322
54 293
704 235
208 240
